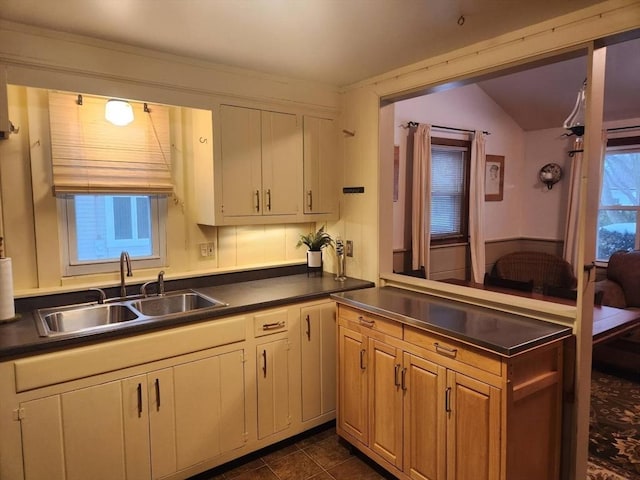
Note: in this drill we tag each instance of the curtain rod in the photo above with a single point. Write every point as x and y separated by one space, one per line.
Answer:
441 127
617 129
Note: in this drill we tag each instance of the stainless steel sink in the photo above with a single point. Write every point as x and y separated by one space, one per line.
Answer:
82 317
174 303
85 317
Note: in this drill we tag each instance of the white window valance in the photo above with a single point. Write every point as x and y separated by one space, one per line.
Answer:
91 155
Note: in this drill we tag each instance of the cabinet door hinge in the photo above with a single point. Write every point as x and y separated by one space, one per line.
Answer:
243 357
289 420
245 437
18 414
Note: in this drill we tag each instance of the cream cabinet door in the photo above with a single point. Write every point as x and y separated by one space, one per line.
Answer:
161 405
353 384
136 427
209 405
273 387
241 157
261 162
318 355
473 430
42 439
320 166
76 435
281 164
385 401
424 385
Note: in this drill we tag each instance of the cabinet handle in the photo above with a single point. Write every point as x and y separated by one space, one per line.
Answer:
139 400
264 363
363 352
257 200
366 322
268 201
396 374
272 326
403 381
308 328
445 350
447 400
310 200
157 384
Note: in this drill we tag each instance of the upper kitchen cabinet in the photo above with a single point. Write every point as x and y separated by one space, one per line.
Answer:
257 168
320 167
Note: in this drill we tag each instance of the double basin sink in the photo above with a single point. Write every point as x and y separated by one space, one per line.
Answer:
86 317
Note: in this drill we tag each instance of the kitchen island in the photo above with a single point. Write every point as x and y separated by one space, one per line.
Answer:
435 389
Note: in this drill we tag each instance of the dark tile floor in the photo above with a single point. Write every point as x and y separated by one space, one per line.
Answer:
319 455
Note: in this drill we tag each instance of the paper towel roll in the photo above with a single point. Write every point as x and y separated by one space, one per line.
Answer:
7 308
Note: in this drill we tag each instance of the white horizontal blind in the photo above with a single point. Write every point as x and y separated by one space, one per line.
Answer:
447 190
91 155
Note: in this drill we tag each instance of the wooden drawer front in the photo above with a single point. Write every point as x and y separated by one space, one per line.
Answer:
273 321
370 321
454 350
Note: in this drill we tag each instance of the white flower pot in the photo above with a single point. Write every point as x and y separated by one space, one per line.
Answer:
314 259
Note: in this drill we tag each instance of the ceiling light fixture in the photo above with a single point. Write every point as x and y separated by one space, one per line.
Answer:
118 112
575 121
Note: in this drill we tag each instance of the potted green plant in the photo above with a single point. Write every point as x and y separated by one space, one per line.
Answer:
315 242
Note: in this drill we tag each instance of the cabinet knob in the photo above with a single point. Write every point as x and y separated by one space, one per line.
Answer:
310 200
308 328
257 200
268 201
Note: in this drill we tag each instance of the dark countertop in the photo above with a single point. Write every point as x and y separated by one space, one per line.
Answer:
502 333
20 337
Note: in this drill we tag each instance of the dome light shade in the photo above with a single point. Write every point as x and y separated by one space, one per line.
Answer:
118 112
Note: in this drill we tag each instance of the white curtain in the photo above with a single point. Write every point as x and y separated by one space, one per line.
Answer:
570 252
476 208
421 199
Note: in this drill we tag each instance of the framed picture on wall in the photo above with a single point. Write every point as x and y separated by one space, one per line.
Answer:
493 178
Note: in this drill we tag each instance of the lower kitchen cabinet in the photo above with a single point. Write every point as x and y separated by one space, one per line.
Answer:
273 387
169 404
318 360
428 407
141 427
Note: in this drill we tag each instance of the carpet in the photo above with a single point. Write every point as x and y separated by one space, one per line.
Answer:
614 439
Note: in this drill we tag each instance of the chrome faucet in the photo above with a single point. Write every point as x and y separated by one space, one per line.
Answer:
143 288
102 296
124 258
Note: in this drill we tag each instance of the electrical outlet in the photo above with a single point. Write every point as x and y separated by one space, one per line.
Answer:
211 249
349 249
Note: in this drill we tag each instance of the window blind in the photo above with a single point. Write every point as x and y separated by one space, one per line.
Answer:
91 155
447 190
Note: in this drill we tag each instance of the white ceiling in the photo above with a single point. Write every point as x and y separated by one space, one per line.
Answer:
332 41
340 42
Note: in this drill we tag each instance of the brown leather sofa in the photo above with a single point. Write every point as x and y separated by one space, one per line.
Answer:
621 288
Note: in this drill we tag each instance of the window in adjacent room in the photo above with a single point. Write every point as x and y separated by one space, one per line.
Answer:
450 165
619 198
